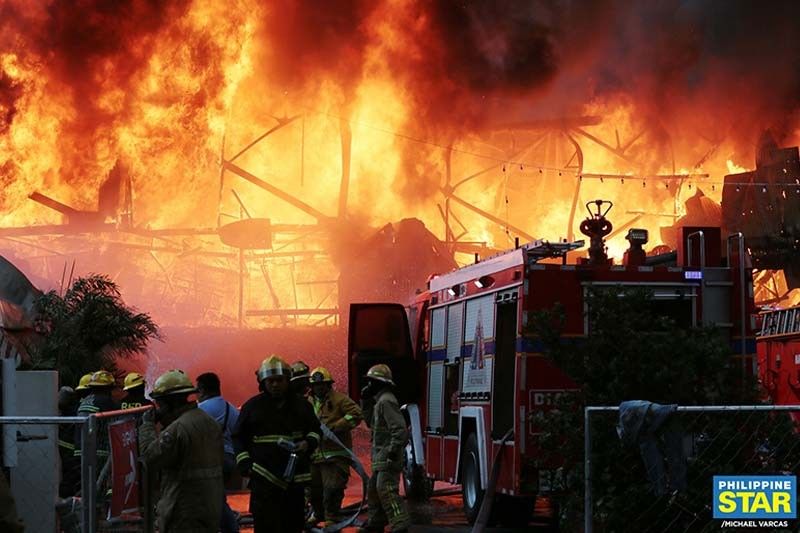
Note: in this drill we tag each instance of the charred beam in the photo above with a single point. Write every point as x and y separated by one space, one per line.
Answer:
56 229
291 312
54 204
551 123
489 216
286 197
281 123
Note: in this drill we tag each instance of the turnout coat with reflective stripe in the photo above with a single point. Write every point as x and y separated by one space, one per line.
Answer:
389 434
341 415
188 455
263 422
93 404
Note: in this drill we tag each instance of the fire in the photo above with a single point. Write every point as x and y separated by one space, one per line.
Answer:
533 118
733 168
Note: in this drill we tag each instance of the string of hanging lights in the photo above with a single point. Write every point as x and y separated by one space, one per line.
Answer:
698 178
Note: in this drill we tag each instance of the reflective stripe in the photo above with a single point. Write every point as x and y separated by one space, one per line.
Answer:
201 473
270 439
241 457
269 476
65 444
328 454
103 453
312 435
301 478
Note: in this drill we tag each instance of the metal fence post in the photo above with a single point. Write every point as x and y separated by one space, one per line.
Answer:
88 474
587 473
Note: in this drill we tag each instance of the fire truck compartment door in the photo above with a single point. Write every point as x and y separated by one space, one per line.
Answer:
379 333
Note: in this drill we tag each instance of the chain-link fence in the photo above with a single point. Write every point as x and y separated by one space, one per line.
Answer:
651 468
32 449
68 461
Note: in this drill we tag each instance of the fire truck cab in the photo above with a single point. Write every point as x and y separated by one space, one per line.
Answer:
470 378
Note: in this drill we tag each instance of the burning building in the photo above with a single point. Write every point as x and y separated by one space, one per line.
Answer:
142 139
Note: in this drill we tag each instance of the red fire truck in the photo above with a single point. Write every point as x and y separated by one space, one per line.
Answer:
468 374
779 356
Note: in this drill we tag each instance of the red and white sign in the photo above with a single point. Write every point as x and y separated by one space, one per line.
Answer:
124 467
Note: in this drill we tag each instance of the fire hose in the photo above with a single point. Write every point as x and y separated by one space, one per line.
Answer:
360 470
488 497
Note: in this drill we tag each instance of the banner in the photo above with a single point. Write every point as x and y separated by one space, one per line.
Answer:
124 467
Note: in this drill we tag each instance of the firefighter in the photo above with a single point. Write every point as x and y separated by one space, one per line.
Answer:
70 464
83 386
383 416
330 470
97 400
68 446
299 383
188 455
275 430
299 386
134 385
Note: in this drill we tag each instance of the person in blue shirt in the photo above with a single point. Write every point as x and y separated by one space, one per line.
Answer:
210 400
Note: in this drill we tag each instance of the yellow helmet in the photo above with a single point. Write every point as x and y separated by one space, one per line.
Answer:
381 373
172 382
273 366
83 384
132 380
101 378
321 375
299 370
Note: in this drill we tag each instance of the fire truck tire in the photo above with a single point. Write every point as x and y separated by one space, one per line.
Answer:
471 491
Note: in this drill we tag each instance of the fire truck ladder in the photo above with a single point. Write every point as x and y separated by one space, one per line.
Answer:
540 249
780 322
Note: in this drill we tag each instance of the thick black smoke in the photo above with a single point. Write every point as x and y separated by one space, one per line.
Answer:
306 40
93 45
736 61
733 66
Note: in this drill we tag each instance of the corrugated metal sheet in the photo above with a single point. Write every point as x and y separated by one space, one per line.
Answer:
437 328
455 314
436 386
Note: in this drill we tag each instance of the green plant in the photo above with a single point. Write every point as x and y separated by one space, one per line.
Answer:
636 351
87 329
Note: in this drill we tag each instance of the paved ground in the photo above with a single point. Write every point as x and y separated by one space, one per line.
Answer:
442 514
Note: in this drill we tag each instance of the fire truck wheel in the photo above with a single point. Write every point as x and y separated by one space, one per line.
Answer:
418 487
471 491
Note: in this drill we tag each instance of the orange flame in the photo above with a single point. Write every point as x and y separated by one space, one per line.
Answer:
170 89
